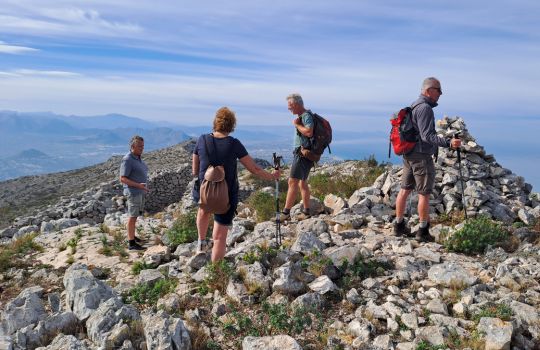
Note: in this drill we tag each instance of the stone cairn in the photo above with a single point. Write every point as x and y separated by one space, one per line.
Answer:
489 188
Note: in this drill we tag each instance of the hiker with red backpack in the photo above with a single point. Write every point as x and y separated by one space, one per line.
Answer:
214 164
418 166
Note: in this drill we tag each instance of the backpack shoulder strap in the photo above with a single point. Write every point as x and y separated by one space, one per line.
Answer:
211 156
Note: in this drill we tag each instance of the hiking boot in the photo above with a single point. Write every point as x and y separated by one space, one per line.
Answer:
284 216
136 246
138 240
202 247
422 235
304 214
401 229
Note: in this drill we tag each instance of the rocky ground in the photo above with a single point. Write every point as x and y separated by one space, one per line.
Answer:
339 280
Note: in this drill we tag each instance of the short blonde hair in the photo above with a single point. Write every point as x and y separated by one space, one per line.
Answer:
225 120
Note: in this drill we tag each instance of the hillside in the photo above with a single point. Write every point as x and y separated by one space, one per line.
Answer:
339 280
26 195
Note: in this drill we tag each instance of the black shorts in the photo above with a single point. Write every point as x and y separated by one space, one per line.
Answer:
227 218
300 167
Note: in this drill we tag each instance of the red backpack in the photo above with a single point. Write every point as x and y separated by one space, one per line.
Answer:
403 136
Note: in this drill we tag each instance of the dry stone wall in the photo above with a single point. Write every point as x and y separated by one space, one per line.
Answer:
91 206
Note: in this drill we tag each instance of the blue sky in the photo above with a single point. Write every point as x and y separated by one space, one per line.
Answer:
354 61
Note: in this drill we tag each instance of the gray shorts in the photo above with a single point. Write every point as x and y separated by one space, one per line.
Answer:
300 167
418 173
135 204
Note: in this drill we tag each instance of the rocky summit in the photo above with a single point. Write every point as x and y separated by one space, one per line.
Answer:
339 280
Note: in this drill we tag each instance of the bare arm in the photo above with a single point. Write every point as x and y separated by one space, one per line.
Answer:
307 132
253 168
131 183
195 165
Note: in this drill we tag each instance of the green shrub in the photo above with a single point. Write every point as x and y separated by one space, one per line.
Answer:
146 294
365 268
218 277
261 252
475 236
251 256
184 229
424 345
502 311
115 247
344 185
15 254
264 204
282 318
138 266
270 319
316 263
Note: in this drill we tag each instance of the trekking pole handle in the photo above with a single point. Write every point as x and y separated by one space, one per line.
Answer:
277 160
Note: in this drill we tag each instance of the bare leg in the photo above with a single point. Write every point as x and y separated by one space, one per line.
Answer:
203 220
401 202
423 207
220 239
131 227
291 193
304 191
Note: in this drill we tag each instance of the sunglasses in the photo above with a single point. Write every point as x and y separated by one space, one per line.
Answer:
438 89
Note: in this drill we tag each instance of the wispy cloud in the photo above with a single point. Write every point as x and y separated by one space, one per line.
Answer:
15 49
43 73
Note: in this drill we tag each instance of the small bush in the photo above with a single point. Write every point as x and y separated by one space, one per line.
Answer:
365 268
115 247
451 219
146 294
424 345
475 236
354 273
70 260
264 204
344 185
251 256
138 266
316 263
284 319
262 252
184 229
218 277
502 311
16 253
104 228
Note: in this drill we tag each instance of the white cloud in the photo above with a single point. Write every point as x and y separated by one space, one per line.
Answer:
44 73
64 22
14 49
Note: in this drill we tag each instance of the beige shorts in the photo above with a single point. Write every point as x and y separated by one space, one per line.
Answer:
418 173
135 205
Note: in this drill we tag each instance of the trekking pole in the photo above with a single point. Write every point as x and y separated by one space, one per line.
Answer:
277 164
463 202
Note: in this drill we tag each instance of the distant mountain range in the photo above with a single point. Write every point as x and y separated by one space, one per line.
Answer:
40 143
37 143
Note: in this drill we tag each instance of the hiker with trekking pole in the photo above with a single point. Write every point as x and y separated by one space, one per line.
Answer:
418 165
214 164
